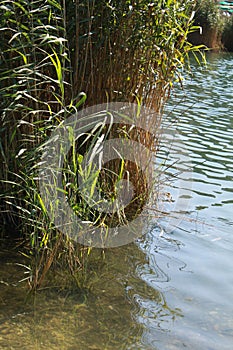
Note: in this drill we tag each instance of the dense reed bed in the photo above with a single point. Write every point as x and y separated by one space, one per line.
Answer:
58 57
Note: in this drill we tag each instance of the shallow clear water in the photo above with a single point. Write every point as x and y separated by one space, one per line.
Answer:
173 289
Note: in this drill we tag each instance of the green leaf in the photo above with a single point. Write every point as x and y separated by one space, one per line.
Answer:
41 204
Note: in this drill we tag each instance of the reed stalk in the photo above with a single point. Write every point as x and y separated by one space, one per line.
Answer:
57 57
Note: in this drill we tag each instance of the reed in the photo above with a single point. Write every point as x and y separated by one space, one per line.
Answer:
56 58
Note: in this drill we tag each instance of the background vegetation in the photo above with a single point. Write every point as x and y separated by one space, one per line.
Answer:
227 35
216 25
56 58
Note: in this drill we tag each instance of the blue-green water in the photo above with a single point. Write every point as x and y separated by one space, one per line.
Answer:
173 289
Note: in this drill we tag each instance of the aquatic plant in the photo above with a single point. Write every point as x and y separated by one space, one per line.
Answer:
56 58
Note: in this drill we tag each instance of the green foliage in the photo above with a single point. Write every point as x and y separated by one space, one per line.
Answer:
56 56
33 85
216 22
208 14
124 47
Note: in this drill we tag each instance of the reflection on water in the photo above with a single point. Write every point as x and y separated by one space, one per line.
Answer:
170 290
109 314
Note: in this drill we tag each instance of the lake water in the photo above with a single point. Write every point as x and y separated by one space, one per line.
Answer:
173 288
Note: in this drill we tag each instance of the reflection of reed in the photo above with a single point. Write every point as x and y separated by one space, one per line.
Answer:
111 310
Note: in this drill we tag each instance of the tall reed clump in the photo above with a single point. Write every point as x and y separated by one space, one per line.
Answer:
57 57
128 50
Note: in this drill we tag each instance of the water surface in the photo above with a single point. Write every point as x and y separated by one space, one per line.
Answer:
173 289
